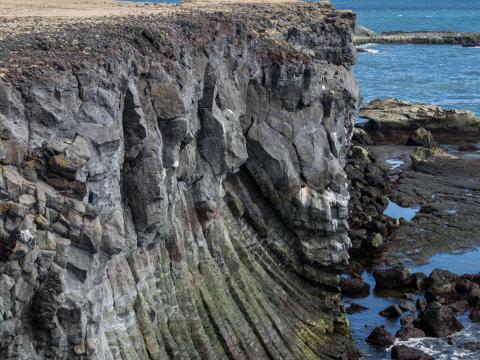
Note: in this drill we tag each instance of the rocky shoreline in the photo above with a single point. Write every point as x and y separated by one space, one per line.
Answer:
466 39
395 157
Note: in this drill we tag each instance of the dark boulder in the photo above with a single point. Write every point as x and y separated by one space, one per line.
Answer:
406 333
468 290
407 319
402 352
475 313
392 312
459 306
354 287
355 308
441 286
407 306
355 268
393 278
438 320
421 304
380 336
418 280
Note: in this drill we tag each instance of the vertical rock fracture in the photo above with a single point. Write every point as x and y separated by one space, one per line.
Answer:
172 186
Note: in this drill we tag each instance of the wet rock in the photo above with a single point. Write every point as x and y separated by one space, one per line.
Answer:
407 306
406 333
475 313
403 352
459 306
441 286
354 287
470 346
355 308
421 304
475 278
393 312
419 280
392 278
438 320
423 138
468 290
355 268
380 336
407 319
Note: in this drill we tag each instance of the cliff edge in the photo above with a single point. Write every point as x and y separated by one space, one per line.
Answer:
172 184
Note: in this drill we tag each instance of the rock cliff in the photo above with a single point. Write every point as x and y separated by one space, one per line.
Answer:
172 186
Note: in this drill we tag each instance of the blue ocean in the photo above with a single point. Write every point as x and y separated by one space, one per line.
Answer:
445 75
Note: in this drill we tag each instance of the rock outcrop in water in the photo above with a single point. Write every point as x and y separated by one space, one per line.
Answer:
392 120
173 186
466 39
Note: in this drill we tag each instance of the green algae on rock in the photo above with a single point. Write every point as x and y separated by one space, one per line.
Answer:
173 186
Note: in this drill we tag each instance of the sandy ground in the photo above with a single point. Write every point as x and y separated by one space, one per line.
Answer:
23 16
98 8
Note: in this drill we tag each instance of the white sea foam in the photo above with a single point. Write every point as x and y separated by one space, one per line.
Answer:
394 163
367 45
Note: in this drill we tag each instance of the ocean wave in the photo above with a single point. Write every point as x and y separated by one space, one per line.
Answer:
367 48
371 51
441 350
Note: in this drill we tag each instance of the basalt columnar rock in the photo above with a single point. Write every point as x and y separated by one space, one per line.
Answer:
173 187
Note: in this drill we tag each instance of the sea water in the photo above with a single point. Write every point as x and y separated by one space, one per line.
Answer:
415 15
444 75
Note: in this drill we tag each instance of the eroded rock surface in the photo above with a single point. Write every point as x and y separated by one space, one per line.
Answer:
392 121
173 186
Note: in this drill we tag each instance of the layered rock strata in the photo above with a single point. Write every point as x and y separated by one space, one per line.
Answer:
173 186
393 121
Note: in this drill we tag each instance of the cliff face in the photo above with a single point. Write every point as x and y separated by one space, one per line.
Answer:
173 186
